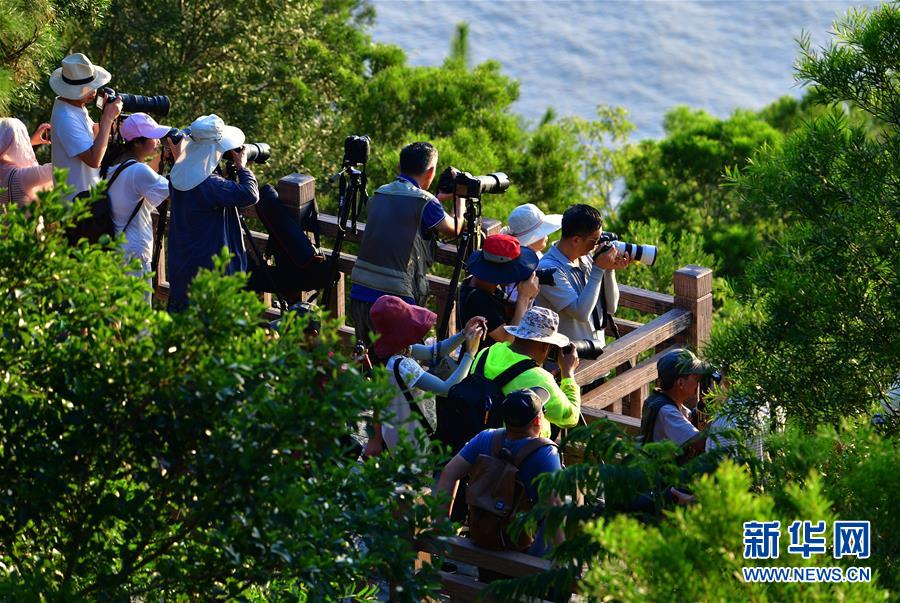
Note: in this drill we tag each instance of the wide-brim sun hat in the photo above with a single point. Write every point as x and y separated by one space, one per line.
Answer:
502 260
209 139
398 324
78 77
529 224
539 324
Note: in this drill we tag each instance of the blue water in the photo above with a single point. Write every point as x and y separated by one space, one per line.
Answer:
644 56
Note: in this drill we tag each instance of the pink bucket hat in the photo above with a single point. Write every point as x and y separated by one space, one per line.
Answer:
141 124
398 324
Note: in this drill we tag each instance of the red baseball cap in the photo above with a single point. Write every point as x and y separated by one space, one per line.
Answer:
502 260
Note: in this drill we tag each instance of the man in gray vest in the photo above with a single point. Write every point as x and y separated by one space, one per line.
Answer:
397 249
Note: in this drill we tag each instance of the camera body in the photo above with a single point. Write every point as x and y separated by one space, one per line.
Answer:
158 105
356 150
645 254
464 184
710 381
545 276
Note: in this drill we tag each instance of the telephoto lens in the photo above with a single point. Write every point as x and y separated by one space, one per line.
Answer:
588 349
258 152
158 105
645 254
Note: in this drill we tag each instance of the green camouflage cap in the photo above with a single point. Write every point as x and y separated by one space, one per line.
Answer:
681 362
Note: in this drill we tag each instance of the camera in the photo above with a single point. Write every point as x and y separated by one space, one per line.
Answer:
645 254
356 150
589 349
257 152
467 185
545 276
176 135
135 103
709 381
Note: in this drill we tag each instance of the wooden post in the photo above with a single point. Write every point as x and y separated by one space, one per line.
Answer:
337 303
693 292
297 189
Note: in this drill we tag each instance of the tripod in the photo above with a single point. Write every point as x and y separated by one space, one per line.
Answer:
166 161
469 241
352 194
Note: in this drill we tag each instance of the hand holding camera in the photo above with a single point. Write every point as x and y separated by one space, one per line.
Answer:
112 108
610 258
474 332
529 288
568 361
41 135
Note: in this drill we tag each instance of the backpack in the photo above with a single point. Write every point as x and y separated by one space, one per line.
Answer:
495 494
650 413
466 411
99 222
299 265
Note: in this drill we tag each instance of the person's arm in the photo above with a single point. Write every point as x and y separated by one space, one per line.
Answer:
527 290
565 299
448 482
564 406
93 157
38 138
433 383
611 291
152 187
449 226
35 178
421 351
245 191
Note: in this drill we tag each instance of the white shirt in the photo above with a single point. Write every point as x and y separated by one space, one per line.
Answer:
400 418
673 424
134 183
73 134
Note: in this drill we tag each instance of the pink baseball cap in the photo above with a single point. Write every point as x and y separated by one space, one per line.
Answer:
141 124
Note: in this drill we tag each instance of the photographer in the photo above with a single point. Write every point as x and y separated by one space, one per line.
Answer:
397 249
584 288
20 173
501 260
138 187
78 143
205 205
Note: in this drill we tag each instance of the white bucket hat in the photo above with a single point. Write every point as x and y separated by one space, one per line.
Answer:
529 224
209 139
77 77
539 324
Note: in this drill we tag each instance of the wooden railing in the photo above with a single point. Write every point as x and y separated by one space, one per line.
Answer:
682 319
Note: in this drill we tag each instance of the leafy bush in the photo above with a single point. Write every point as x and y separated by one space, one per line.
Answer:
821 340
192 455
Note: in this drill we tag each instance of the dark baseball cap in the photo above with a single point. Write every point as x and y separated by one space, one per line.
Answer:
519 408
681 362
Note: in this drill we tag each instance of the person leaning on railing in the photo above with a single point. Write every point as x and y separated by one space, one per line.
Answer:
397 249
20 173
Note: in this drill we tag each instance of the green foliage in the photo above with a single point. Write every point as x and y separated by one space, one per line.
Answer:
185 456
695 554
858 473
31 39
677 180
822 339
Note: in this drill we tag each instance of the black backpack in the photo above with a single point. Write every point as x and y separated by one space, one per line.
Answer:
467 409
99 222
299 265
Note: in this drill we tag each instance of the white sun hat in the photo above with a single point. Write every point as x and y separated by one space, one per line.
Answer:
539 324
529 224
77 77
209 139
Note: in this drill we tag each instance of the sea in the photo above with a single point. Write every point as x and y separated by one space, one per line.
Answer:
644 56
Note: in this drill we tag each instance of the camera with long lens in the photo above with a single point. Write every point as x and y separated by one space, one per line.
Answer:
257 152
588 349
135 103
645 254
467 185
356 150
